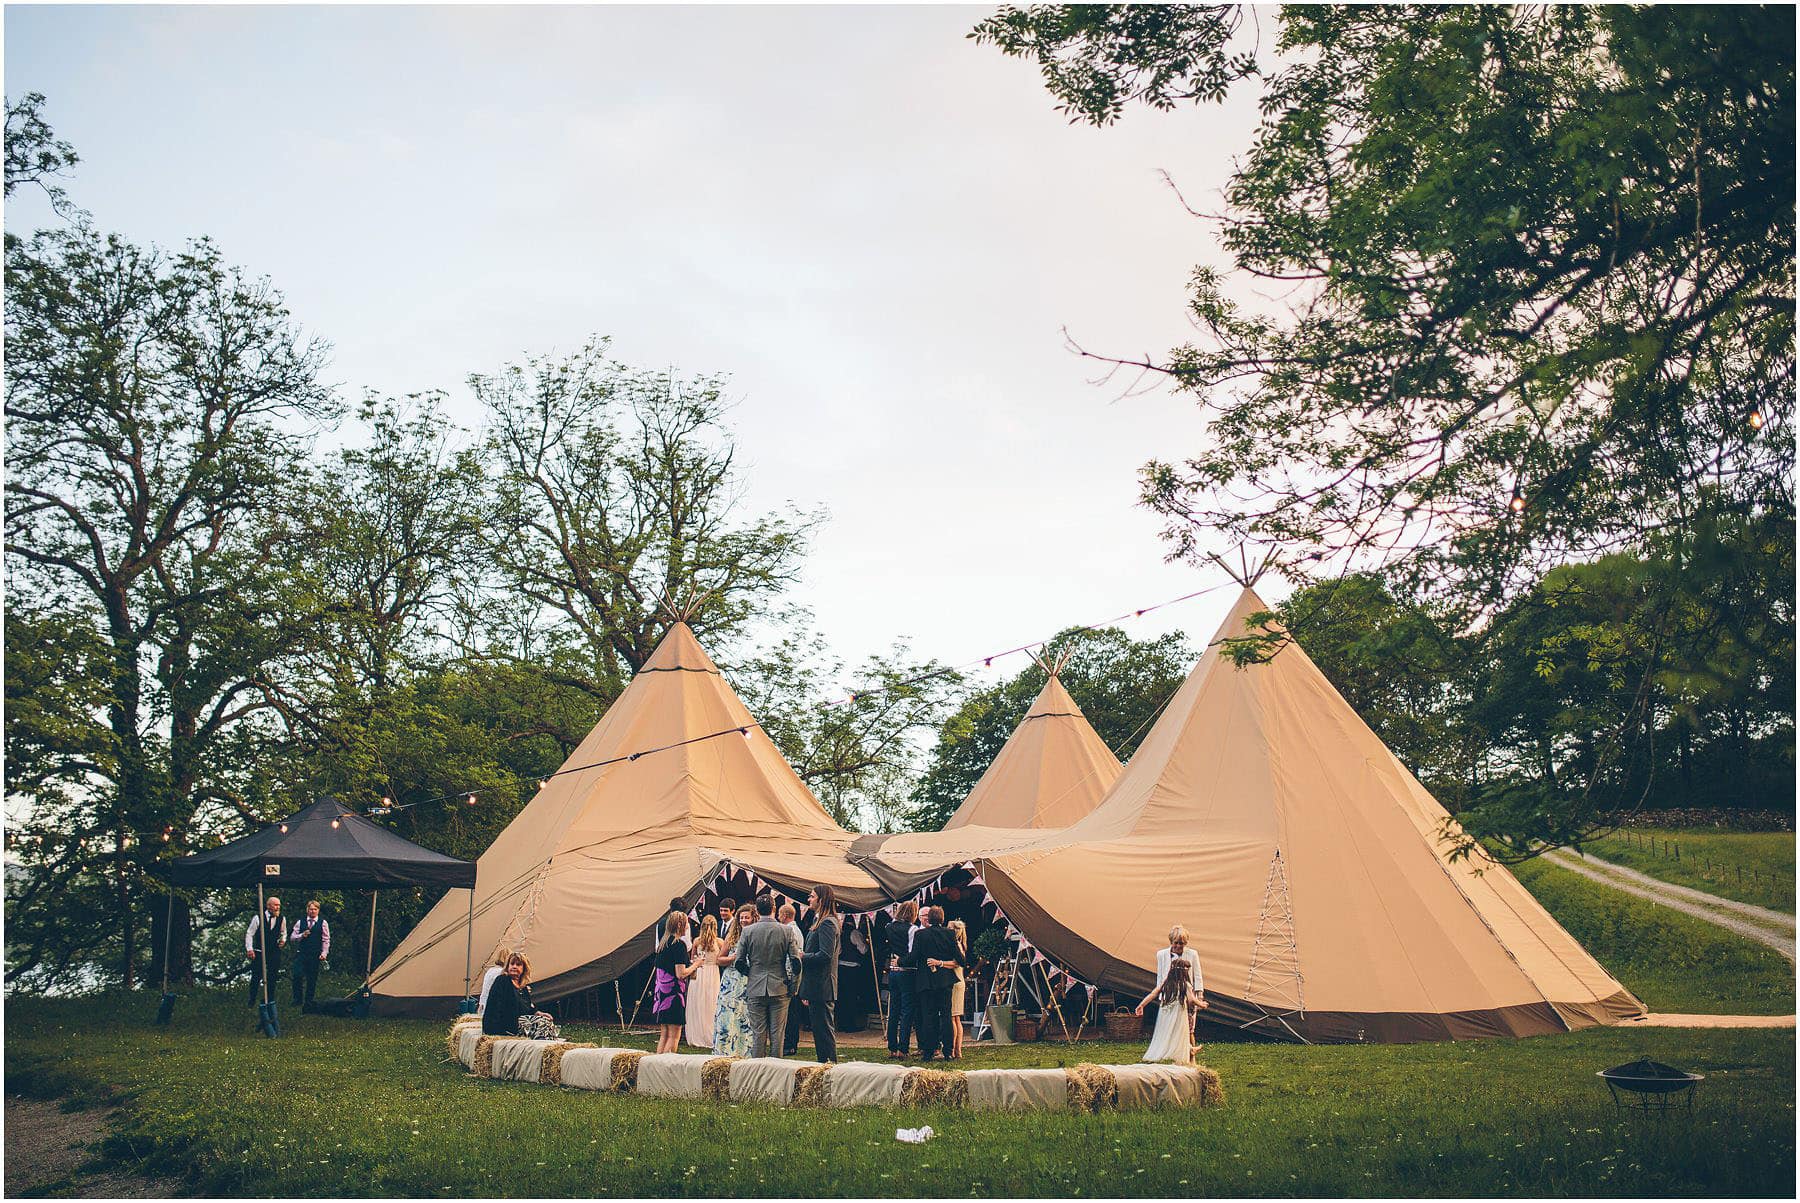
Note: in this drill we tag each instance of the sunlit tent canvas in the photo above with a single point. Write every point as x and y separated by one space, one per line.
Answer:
580 878
1051 771
1307 863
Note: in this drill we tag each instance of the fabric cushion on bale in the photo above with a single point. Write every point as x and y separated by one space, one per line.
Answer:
464 1041
589 1068
1150 1085
550 1074
671 1076
863 1083
763 1080
1018 1089
519 1060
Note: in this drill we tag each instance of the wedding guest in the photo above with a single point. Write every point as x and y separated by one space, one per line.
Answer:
265 945
1179 994
731 1022
797 1008
762 953
703 985
897 936
668 998
935 957
510 1011
960 931
495 972
818 973
310 938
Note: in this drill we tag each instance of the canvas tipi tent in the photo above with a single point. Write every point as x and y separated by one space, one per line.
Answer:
1307 863
1051 772
580 877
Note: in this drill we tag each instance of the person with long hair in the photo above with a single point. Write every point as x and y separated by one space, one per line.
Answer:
1179 997
959 992
897 935
731 1020
510 1011
819 972
703 985
668 1002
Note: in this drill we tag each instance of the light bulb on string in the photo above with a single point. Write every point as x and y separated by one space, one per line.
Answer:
471 799
1756 419
284 829
544 784
1517 504
335 824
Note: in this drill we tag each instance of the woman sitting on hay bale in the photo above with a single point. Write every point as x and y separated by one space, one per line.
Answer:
510 1011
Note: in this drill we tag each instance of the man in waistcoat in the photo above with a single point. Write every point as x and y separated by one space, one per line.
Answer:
272 936
310 940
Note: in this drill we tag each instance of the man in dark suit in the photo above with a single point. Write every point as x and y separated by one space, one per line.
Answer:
762 951
897 948
818 971
935 956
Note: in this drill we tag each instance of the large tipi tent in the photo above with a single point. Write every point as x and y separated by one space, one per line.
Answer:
580 877
1307 863
1052 770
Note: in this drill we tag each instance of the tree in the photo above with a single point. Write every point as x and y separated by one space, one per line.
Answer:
157 408
617 500
1537 266
34 154
1121 684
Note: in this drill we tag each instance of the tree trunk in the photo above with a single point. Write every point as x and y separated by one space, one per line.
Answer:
181 946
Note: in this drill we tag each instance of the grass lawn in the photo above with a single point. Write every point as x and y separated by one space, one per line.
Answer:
341 1107
1754 867
1673 962
344 1107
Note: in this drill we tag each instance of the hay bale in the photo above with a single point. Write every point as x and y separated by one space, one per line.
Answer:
809 1085
624 1070
715 1079
865 1083
551 1072
483 1066
587 1068
1212 1089
934 1087
1018 1089
1098 1086
764 1080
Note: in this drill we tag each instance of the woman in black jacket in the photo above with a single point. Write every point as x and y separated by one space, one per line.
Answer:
510 1011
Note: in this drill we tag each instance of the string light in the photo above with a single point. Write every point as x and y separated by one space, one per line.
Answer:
471 799
335 824
284 829
1517 504
1756 419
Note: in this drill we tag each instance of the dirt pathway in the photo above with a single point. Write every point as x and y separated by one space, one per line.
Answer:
1774 929
52 1152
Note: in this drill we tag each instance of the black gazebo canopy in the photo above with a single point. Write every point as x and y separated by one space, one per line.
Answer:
326 846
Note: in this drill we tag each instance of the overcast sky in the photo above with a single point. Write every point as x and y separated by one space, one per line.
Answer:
875 227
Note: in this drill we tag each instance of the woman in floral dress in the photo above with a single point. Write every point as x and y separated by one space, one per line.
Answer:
731 1025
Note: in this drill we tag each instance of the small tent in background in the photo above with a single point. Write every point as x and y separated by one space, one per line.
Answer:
675 783
1051 772
324 846
1306 862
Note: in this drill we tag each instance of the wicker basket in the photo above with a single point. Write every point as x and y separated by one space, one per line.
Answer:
1025 1028
1124 1025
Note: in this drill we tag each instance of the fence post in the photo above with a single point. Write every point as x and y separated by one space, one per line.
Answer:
1678 850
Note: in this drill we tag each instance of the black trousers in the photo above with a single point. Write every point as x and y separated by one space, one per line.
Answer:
306 979
934 1020
790 1039
819 1017
901 1007
256 965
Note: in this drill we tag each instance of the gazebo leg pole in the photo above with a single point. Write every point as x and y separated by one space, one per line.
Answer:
469 946
168 936
369 969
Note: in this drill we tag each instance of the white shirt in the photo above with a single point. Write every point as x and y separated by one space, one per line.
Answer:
250 932
494 974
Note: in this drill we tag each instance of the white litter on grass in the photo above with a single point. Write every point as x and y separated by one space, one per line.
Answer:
914 1136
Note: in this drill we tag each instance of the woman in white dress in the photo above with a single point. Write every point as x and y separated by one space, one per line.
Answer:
1179 994
703 986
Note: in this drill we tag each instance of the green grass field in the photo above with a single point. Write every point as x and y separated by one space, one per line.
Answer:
342 1107
1753 867
1672 961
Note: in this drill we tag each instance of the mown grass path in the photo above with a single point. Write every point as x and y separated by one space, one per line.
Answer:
1756 867
1771 928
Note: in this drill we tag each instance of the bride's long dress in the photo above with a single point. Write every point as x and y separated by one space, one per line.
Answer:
1172 1039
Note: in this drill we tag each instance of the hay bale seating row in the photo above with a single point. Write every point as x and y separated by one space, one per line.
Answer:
582 1066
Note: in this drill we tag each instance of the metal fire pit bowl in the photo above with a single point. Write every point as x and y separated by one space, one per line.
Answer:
1650 1086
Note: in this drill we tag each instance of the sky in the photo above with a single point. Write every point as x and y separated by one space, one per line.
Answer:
877 229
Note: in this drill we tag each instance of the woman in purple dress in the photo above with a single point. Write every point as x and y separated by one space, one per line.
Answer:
668 1002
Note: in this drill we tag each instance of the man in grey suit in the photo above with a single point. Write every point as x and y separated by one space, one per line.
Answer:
762 952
